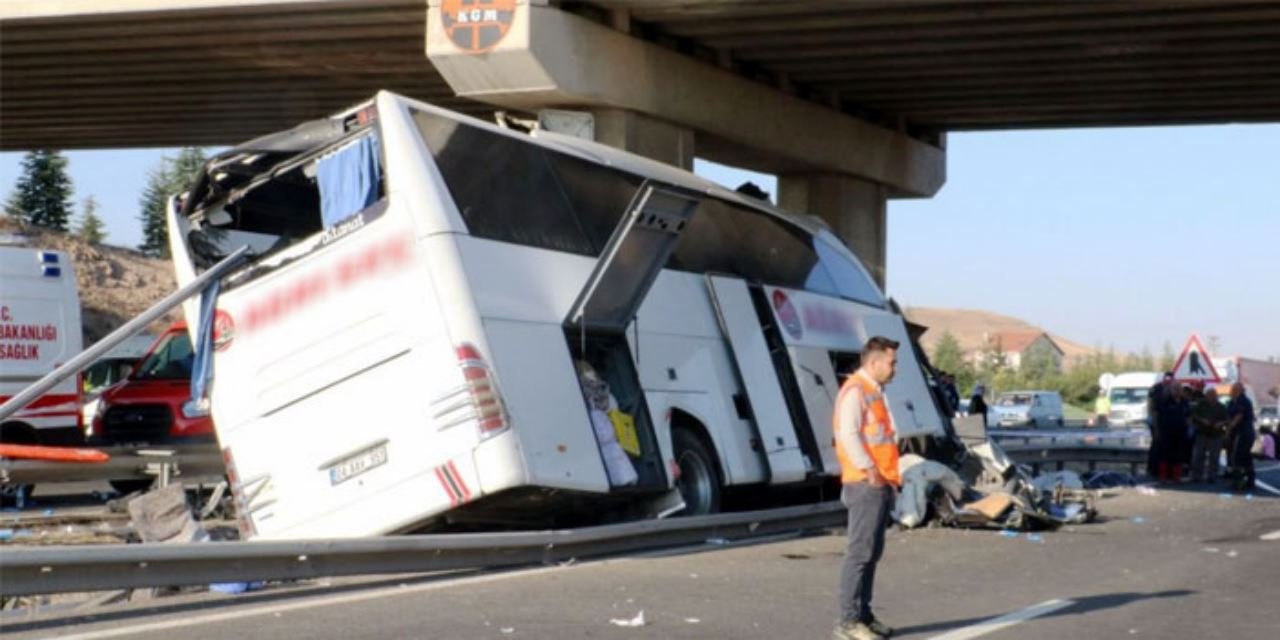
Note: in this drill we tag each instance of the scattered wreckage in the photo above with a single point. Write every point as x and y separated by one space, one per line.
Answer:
986 489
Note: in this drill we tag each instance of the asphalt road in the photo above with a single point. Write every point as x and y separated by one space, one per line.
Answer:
1182 563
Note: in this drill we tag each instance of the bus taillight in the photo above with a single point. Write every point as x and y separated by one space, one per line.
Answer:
491 416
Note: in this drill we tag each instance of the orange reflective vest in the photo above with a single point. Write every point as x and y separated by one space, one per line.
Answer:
877 433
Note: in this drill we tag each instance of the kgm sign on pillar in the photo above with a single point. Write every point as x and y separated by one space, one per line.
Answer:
477 26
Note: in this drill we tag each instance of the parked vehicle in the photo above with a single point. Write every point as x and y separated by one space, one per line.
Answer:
448 321
1028 409
1269 416
147 407
113 367
39 330
1128 393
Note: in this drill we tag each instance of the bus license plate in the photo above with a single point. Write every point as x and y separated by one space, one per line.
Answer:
358 464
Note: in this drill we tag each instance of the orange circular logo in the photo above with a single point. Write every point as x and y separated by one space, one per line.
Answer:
477 26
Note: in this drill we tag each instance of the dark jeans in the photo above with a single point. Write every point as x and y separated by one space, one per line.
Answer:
869 509
1242 458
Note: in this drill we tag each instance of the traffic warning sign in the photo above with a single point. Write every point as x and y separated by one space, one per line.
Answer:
1195 364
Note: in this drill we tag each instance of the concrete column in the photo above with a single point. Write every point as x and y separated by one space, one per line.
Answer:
855 208
646 136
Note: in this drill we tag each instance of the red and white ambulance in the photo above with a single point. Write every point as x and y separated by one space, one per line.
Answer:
447 321
39 330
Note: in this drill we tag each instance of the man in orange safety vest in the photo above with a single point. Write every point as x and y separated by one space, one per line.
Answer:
868 454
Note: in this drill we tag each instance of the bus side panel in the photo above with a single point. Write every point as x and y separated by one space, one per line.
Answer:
833 324
914 411
679 331
545 404
819 387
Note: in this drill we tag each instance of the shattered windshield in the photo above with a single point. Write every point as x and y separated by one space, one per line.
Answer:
273 192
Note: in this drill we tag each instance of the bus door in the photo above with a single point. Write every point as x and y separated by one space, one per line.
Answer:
759 379
597 322
914 413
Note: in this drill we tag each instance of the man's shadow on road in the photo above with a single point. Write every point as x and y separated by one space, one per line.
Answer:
1086 604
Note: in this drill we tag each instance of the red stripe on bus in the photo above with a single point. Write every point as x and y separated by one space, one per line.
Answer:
466 493
453 498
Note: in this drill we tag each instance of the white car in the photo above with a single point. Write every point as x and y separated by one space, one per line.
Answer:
1028 409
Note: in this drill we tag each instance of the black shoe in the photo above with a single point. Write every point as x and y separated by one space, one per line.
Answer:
880 628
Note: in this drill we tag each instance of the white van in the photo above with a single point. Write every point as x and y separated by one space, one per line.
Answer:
447 321
1128 395
39 330
1028 408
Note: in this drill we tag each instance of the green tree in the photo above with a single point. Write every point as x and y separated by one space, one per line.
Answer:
171 177
91 228
42 196
947 354
949 357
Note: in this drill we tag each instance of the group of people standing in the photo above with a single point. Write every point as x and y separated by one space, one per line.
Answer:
1190 427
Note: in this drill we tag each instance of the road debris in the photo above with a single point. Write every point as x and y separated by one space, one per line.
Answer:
637 621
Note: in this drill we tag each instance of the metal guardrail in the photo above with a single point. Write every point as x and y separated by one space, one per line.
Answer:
1059 455
188 462
1130 438
87 357
29 571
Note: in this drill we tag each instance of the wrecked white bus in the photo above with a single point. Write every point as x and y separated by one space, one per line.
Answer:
447 321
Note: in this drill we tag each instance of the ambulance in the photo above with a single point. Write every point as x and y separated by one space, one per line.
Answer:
39 330
445 322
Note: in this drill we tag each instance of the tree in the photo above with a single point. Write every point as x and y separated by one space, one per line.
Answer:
1167 357
949 357
171 177
947 354
91 229
42 196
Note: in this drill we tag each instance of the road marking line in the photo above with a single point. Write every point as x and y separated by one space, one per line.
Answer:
1007 620
1274 535
1267 487
347 598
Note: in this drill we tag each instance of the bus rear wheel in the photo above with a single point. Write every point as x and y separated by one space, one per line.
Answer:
699 481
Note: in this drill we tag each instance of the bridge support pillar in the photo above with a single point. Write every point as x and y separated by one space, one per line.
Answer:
856 210
646 136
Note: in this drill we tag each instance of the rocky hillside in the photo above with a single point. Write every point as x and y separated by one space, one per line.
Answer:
116 284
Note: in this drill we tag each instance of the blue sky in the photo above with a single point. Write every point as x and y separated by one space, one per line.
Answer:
1125 237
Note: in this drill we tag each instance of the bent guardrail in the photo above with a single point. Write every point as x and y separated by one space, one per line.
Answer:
37 570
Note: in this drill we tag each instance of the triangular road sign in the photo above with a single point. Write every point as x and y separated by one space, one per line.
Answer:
1195 364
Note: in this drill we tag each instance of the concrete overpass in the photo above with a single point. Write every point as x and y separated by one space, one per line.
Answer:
848 102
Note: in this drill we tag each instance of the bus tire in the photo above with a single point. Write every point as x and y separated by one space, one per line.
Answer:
16 433
699 481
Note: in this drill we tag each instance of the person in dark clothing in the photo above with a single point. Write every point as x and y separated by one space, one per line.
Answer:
1210 419
1240 414
977 405
1171 439
950 392
1155 399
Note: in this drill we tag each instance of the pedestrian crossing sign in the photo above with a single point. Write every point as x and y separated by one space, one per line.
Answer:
1195 364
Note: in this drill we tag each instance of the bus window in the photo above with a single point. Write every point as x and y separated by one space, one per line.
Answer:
503 188
850 280
286 209
734 240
